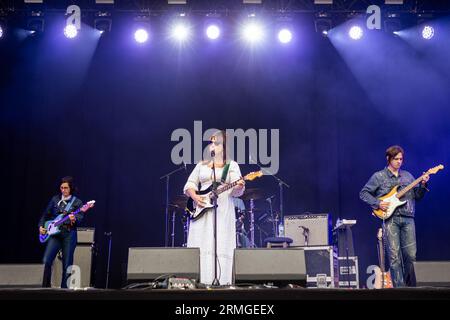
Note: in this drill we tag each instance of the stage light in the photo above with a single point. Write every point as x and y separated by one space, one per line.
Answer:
253 32
141 35
285 36
392 25
1 32
180 32
35 25
323 25
103 25
355 32
427 32
213 32
70 31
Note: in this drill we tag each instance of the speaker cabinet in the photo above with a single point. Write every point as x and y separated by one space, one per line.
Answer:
315 228
21 275
146 264
81 258
262 265
432 273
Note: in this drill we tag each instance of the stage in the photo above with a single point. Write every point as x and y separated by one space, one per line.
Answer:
232 294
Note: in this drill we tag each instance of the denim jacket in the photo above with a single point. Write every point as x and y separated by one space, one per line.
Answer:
56 207
383 181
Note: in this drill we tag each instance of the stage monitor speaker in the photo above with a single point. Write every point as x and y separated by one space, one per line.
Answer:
21 275
276 265
316 228
81 258
150 263
432 273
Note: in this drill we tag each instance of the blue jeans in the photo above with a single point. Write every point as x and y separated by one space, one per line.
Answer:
401 240
65 241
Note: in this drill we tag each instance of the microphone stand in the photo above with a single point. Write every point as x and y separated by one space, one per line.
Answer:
281 183
274 223
109 235
167 176
215 282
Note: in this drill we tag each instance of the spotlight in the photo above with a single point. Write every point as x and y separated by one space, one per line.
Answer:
285 36
253 32
70 31
355 32
35 25
392 26
103 24
427 32
180 32
213 32
141 35
1 31
323 26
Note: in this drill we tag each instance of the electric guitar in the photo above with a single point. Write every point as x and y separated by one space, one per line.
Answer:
53 226
382 278
393 197
196 212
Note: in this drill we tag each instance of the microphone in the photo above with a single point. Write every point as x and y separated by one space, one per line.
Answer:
305 229
213 153
270 198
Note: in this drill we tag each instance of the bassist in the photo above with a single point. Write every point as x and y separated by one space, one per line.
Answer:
66 240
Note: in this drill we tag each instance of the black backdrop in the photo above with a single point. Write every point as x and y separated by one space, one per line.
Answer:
103 111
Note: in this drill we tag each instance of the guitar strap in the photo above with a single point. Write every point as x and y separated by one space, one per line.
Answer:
69 205
225 172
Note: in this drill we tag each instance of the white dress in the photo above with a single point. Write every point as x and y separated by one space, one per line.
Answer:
201 231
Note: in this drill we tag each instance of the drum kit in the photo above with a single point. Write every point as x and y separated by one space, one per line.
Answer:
253 224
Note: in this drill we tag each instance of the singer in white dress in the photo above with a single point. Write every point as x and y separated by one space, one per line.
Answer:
201 231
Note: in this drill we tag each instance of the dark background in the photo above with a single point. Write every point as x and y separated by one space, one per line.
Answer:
103 111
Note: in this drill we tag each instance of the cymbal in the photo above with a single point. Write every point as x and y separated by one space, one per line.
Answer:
179 201
252 193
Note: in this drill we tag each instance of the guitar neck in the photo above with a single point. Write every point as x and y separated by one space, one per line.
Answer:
227 187
409 187
60 222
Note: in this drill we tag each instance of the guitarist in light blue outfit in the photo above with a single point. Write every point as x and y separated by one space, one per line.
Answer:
66 240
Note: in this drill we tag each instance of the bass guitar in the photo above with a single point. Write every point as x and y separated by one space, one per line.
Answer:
196 212
53 226
393 197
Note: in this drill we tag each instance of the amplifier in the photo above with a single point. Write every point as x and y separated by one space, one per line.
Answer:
82 258
308 229
85 235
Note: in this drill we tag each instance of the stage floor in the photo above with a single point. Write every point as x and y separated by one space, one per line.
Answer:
235 294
